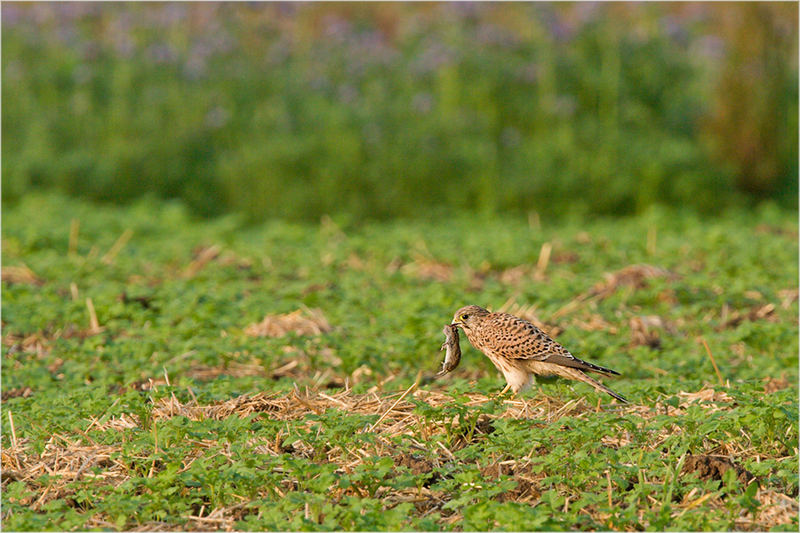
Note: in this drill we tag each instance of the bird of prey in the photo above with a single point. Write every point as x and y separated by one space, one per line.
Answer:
520 350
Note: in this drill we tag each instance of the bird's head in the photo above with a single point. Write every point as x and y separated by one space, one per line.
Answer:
466 317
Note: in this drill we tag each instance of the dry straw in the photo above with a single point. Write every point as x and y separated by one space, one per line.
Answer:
71 458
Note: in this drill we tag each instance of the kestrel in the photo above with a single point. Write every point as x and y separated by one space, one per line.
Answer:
519 350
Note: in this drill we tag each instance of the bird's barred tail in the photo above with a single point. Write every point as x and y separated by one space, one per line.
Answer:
599 369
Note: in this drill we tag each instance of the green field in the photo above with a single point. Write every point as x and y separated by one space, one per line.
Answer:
137 392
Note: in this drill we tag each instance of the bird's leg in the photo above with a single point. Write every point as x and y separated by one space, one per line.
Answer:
502 392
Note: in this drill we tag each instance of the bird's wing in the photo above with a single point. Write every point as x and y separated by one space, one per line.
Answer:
516 338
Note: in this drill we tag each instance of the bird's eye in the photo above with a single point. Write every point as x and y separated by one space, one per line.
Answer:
464 317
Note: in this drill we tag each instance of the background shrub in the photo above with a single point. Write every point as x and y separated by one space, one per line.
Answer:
392 110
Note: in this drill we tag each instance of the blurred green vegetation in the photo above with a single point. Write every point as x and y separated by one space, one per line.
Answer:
390 110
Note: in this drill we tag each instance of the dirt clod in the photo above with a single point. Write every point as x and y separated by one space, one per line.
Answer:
416 463
775 384
646 331
20 274
300 322
23 392
714 467
635 276
753 314
527 488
